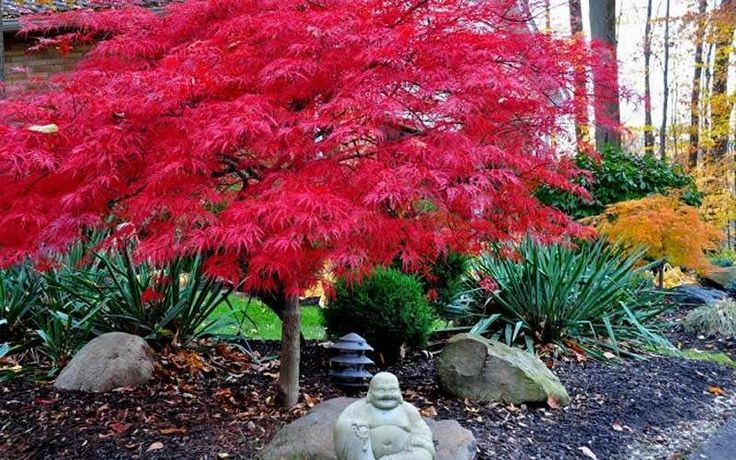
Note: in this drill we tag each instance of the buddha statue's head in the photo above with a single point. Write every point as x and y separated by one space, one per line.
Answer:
384 392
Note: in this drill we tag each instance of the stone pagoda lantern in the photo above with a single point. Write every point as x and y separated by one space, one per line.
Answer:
347 366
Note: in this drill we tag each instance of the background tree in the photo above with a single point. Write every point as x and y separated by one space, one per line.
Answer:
666 83
576 17
2 52
648 126
280 137
581 83
720 103
607 113
700 26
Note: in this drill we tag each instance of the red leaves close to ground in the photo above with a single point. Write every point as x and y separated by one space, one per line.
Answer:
279 136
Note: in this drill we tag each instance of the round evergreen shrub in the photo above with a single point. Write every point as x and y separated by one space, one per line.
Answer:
388 308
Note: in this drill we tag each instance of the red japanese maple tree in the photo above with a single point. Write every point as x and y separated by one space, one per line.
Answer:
279 136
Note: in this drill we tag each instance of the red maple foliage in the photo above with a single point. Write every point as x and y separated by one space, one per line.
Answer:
277 136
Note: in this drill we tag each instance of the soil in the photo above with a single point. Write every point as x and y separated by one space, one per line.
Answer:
221 404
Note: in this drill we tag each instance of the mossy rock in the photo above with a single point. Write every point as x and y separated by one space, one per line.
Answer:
486 371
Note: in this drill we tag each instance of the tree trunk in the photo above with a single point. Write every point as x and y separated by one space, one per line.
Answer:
706 88
547 16
694 149
288 383
275 302
287 309
648 125
2 52
666 82
581 82
576 17
603 28
720 106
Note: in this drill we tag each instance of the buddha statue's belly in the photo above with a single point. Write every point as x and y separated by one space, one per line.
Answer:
387 440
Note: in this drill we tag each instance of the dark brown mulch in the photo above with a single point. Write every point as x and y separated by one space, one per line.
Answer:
221 414
684 339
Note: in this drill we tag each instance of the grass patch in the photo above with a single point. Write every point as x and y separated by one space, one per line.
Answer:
719 358
267 325
718 318
263 323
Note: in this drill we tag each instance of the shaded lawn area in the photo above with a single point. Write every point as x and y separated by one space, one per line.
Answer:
250 318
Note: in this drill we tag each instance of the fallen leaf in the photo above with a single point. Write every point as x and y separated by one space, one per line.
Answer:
223 393
308 400
587 452
429 412
119 427
716 390
609 355
553 402
472 410
15 369
44 129
155 446
617 426
173 431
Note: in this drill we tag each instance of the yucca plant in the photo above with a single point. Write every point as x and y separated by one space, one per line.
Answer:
20 288
171 303
63 329
594 294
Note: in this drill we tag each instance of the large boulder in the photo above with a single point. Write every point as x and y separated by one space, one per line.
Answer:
483 370
109 361
311 437
691 294
722 278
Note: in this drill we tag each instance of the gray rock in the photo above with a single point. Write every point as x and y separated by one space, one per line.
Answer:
722 278
482 370
697 295
109 361
311 436
452 440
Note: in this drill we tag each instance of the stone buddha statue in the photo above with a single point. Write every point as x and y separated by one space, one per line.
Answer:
382 426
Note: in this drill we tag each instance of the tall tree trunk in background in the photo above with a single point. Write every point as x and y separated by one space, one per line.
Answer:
694 149
706 89
603 28
648 126
666 84
720 106
581 81
547 16
2 53
576 17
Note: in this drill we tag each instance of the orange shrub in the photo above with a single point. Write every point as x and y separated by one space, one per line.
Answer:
670 230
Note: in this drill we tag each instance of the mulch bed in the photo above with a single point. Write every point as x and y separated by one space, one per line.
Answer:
684 339
223 406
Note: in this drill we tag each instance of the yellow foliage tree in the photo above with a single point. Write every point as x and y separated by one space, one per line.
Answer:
670 229
714 181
